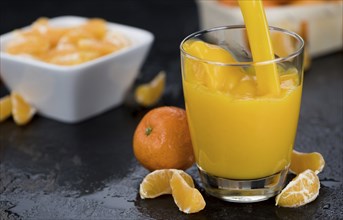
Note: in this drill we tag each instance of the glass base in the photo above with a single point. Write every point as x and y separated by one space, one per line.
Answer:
243 191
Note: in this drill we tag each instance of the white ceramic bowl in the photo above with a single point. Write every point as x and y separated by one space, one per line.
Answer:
74 93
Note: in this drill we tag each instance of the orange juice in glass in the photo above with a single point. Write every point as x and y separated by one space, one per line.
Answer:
242 135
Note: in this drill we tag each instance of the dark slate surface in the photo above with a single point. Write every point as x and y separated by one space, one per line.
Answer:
51 170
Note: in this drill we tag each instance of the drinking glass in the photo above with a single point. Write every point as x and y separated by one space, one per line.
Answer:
242 136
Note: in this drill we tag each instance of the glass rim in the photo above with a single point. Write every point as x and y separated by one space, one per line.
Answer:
297 51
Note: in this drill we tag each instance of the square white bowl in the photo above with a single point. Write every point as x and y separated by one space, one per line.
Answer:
75 93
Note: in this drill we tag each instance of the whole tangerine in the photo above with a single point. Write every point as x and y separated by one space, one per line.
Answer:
162 140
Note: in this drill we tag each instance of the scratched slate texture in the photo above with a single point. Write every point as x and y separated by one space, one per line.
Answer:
51 170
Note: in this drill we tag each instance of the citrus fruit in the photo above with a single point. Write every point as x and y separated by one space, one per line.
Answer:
303 161
218 77
157 183
96 26
5 107
67 45
21 110
148 94
301 190
186 197
162 140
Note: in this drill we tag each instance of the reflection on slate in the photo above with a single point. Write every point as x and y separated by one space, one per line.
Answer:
87 170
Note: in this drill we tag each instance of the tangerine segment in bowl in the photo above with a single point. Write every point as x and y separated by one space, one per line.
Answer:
301 190
66 45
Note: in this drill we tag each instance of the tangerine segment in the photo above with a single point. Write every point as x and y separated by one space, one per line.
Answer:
97 27
158 183
34 45
303 161
218 77
21 110
148 94
5 108
41 28
187 198
207 51
301 190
